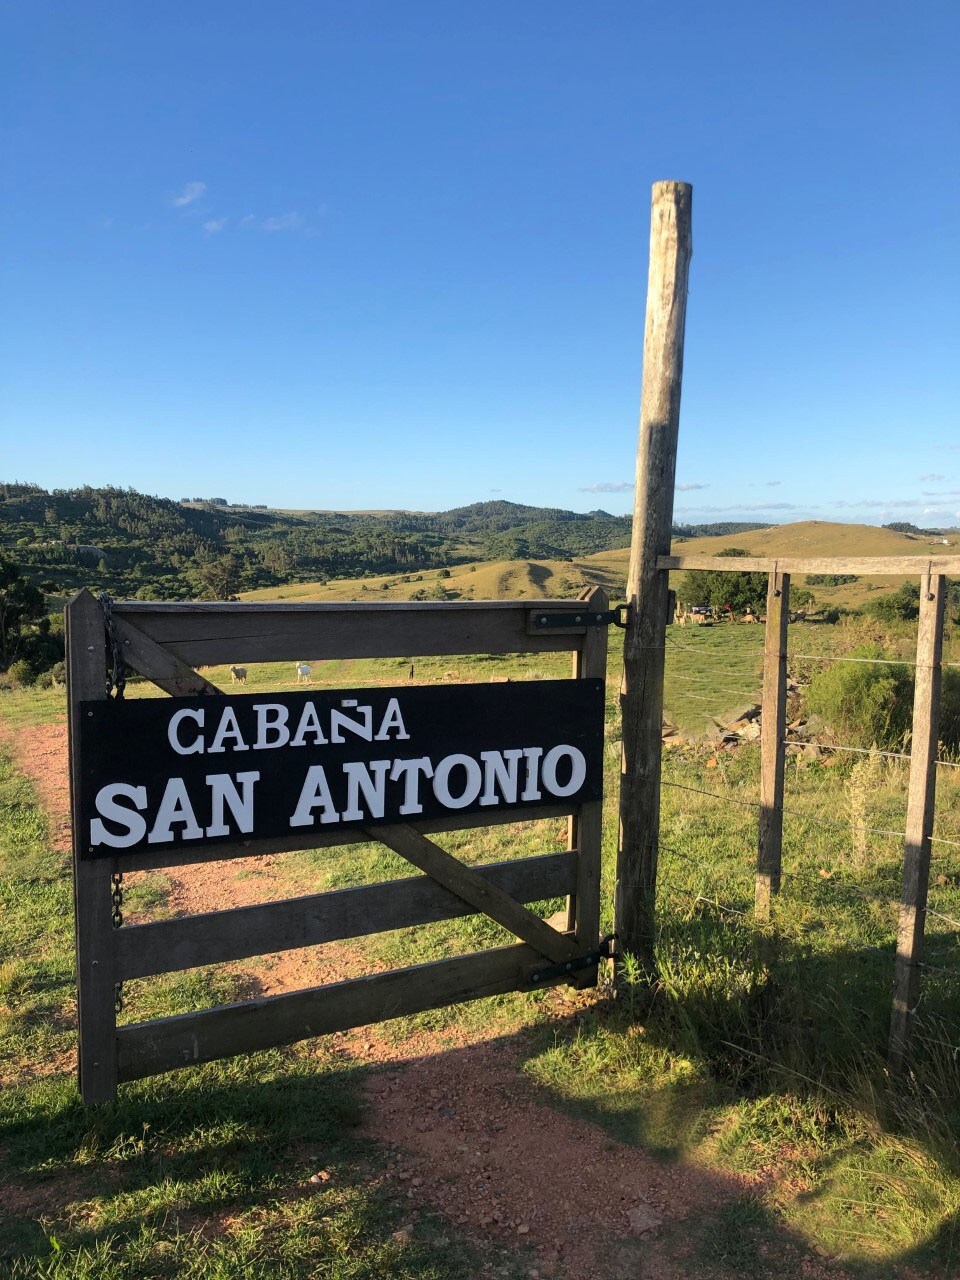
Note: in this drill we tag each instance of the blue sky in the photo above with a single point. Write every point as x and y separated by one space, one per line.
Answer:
368 254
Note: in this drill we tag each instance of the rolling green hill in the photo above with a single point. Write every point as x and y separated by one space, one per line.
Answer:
131 544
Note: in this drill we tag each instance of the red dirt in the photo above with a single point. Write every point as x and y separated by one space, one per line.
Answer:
477 1141
472 1137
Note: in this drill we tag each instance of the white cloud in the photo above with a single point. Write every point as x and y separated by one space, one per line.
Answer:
932 475
606 486
685 488
285 222
281 222
214 225
192 191
772 484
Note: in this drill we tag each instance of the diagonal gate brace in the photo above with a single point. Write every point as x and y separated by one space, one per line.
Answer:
477 891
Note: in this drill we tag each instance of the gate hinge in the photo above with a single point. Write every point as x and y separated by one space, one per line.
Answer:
546 620
592 958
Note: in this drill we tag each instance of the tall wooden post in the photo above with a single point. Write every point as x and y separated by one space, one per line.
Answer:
671 247
921 798
773 727
93 906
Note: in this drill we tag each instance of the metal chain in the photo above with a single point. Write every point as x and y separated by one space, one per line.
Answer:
116 667
116 895
116 681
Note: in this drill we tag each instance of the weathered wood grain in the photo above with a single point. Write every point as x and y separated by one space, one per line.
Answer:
478 892
585 828
208 634
899 566
671 248
921 802
149 1048
317 839
772 750
159 665
164 946
93 907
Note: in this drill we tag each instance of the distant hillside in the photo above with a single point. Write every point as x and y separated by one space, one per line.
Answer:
132 544
823 538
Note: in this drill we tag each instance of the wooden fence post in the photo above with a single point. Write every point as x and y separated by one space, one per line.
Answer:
671 247
773 725
920 813
93 906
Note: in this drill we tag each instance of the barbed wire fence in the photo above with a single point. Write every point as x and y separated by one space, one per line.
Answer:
906 914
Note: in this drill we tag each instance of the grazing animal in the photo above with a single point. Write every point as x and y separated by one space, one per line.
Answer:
303 673
238 675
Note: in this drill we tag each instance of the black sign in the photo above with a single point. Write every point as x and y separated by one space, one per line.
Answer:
180 773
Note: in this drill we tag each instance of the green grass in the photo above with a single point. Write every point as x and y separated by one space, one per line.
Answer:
754 1061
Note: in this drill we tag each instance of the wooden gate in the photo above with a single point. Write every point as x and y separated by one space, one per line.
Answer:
165 643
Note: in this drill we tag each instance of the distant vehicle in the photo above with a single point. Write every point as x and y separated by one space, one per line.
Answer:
703 610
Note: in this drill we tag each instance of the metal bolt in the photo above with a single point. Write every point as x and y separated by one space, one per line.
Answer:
569 968
90 715
535 978
577 618
89 648
543 622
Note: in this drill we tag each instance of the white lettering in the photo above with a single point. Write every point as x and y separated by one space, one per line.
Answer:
531 791
228 728
309 723
339 721
173 737
315 791
412 770
578 770
441 781
392 719
272 730
224 794
134 827
359 779
500 769
175 807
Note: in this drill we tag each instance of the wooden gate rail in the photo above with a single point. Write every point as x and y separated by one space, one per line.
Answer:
164 642
148 1048
164 946
879 566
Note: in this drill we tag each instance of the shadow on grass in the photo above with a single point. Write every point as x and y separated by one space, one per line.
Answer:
208 1173
770 1062
759 1077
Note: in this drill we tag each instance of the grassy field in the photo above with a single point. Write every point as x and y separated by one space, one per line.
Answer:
758 1065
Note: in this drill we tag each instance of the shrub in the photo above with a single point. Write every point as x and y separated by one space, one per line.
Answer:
864 704
950 708
902 605
21 672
